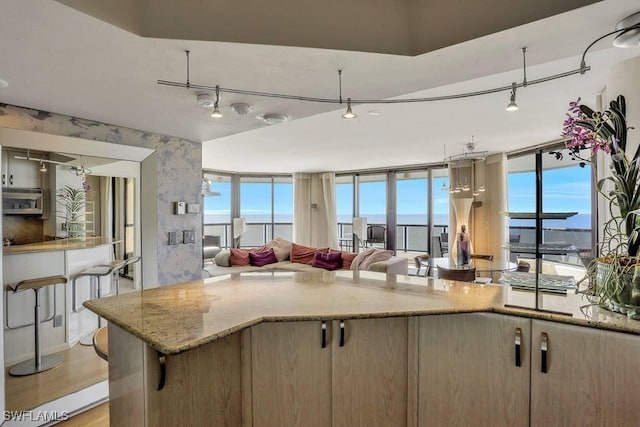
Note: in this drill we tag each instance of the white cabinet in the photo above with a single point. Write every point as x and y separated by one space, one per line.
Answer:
583 376
473 369
19 173
358 378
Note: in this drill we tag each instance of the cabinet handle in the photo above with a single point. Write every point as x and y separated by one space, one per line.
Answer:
4 179
544 347
518 343
342 333
11 179
324 334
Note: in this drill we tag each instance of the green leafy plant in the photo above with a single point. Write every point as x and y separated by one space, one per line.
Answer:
73 200
606 132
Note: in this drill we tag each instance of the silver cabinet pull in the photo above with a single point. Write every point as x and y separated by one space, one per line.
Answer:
544 347
518 347
324 334
342 333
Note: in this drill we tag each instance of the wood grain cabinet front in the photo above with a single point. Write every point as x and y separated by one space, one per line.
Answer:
358 378
583 376
473 369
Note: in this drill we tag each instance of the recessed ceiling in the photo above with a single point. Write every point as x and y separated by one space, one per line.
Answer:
64 61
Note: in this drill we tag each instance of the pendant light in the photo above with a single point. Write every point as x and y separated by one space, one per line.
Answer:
349 114
216 114
512 101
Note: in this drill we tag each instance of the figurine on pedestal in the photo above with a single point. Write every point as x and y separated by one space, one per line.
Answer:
464 244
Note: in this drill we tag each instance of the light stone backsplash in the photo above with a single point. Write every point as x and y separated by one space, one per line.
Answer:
178 176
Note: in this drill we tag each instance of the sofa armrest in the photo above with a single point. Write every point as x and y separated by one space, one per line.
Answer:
394 265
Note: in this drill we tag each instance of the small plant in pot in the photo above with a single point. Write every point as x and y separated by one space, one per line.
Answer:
614 277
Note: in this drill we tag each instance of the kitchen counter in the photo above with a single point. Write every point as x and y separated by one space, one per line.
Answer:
59 245
177 318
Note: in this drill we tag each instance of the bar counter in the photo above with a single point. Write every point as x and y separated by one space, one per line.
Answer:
59 245
177 318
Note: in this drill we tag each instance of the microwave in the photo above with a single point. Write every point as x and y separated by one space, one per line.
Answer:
22 201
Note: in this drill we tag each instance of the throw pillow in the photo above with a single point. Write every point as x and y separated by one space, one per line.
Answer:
304 254
239 257
281 247
327 260
262 258
347 259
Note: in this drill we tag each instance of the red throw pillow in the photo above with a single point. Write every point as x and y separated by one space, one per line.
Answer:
347 259
304 254
239 257
262 258
327 260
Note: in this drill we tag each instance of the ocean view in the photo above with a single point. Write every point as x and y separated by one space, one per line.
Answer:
580 221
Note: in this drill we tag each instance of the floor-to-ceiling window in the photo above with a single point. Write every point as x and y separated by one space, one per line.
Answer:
345 210
439 211
564 233
266 204
217 208
412 213
411 203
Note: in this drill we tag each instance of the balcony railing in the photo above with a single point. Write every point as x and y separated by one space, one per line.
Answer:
257 234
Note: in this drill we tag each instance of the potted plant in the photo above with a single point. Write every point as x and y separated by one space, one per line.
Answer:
73 200
614 277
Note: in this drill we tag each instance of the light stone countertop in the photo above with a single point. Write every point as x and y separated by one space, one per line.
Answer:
176 318
59 245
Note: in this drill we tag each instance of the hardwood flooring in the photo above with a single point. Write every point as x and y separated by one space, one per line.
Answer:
81 367
94 417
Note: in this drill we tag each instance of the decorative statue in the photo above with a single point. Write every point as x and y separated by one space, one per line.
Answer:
464 243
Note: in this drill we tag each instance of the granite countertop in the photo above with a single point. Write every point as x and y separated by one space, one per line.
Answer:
59 245
176 318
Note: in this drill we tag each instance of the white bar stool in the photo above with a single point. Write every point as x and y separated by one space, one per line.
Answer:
39 363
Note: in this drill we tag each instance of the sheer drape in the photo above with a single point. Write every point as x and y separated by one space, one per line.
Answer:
314 214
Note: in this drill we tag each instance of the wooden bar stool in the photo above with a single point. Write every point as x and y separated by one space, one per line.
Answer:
39 363
101 343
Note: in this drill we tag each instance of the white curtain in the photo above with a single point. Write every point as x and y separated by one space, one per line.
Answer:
315 220
301 208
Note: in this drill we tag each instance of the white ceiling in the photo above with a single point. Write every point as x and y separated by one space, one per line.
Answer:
58 59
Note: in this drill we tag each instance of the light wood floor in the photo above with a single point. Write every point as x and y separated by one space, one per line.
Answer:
81 367
94 417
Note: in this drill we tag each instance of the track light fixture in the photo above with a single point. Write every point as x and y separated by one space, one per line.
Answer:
628 29
349 114
512 106
216 114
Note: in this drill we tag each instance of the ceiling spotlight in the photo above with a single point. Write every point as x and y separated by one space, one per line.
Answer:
3 84
216 114
349 114
512 101
43 167
631 37
481 189
273 118
476 193
241 108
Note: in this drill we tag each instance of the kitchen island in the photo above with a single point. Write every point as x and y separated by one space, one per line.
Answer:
353 348
55 257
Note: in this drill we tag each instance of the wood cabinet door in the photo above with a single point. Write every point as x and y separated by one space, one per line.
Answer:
467 370
369 373
291 375
591 379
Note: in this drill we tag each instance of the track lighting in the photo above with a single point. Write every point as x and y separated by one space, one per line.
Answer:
216 114
512 101
628 31
43 167
349 114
